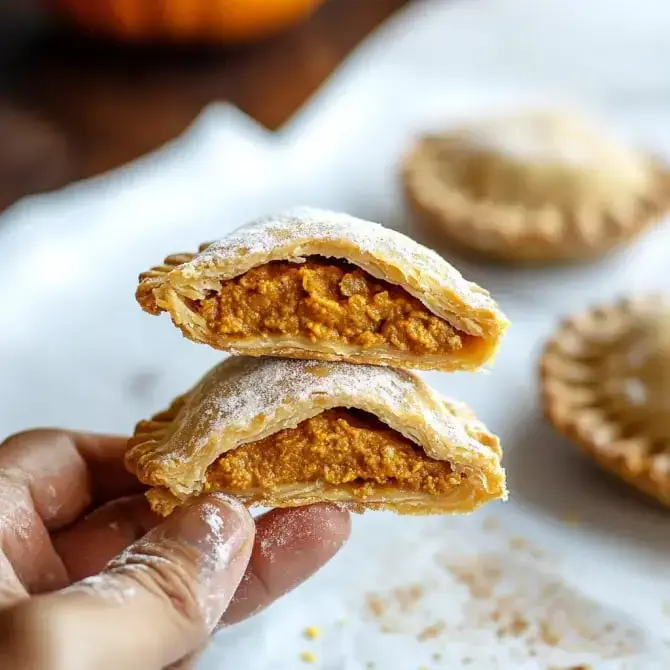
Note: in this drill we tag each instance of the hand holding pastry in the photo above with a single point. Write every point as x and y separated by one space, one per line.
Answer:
89 578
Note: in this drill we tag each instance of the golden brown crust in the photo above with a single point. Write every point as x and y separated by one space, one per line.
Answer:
382 253
604 376
245 399
553 231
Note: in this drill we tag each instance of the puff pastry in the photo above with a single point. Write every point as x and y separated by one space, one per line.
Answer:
284 433
606 385
535 187
321 285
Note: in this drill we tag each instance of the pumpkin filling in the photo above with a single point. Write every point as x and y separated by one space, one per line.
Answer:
326 300
338 447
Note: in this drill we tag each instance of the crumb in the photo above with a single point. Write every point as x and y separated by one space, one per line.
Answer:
466 661
572 518
369 665
666 608
375 604
518 626
312 632
437 656
423 667
408 597
308 657
431 632
547 635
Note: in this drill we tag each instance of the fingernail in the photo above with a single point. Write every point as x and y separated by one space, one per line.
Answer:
221 531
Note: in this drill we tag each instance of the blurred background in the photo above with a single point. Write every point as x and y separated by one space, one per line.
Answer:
87 86
132 129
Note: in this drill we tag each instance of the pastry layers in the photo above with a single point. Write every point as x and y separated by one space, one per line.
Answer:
535 187
284 433
320 285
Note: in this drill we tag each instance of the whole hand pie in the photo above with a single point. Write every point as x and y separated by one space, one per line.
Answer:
606 385
284 433
536 187
320 285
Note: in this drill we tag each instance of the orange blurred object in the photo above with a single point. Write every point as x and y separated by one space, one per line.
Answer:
223 21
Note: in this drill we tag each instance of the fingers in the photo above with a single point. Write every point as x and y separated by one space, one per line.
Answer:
64 473
11 589
48 478
25 540
152 606
291 545
86 547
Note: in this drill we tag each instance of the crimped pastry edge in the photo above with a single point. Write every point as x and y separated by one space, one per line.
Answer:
616 460
507 234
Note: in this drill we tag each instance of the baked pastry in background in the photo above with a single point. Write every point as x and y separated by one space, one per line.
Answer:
284 433
321 285
605 379
536 187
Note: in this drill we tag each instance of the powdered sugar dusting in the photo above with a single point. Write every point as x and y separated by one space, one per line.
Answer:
219 557
301 527
212 585
241 389
17 513
304 225
114 588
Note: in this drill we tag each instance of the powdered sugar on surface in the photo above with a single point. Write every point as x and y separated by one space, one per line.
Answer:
239 390
304 225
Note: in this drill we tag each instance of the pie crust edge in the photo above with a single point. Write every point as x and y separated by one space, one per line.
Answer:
617 463
506 234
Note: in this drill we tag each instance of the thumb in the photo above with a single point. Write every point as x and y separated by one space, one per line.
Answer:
152 605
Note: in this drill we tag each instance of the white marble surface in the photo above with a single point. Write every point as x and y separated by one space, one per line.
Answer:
76 351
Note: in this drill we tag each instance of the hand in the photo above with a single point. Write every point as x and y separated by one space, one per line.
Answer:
91 578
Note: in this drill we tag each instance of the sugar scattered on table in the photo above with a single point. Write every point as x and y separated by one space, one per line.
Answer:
312 632
308 657
432 631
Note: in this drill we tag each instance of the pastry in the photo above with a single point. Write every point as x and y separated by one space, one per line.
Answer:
283 433
537 187
606 385
320 285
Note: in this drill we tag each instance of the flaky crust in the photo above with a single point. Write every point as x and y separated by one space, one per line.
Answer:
555 232
245 399
584 370
295 235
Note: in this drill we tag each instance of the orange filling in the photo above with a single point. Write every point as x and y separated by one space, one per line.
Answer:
338 447
324 300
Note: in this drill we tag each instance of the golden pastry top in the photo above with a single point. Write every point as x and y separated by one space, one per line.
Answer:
540 159
297 234
245 399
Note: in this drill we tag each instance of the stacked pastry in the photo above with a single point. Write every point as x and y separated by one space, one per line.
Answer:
325 315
